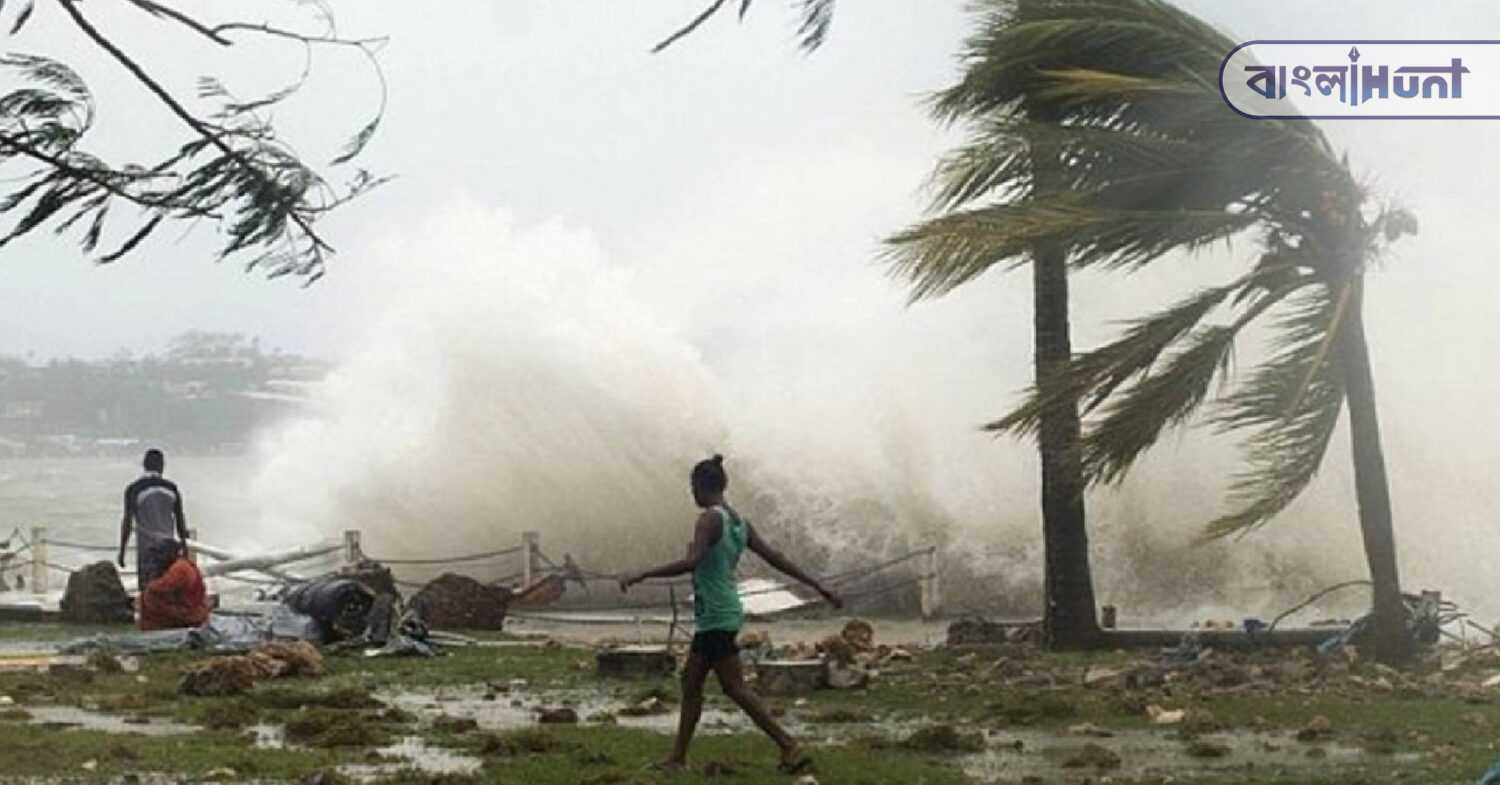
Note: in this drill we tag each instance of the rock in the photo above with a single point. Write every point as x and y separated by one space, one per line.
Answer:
1090 729
6 700
899 655
806 779
95 596
943 738
782 677
1316 729
1199 721
559 716
1198 748
455 725
89 765
460 602
1092 756
860 635
846 677
628 662
649 707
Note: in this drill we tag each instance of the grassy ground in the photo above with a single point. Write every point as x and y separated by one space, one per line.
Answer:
1442 738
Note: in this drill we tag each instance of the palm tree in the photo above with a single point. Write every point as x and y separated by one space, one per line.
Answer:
1099 135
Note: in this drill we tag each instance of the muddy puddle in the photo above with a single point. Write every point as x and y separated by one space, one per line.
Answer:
1015 757
66 717
501 712
411 753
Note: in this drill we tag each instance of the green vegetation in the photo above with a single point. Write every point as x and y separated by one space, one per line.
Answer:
918 722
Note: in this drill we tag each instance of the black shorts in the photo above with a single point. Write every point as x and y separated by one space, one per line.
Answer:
715 645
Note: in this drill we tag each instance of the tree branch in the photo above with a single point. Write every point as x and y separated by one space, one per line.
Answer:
693 25
157 9
97 177
198 126
266 29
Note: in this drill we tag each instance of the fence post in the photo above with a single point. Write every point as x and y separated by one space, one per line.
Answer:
352 554
932 586
530 542
39 559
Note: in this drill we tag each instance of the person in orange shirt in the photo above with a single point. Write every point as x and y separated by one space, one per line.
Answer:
177 599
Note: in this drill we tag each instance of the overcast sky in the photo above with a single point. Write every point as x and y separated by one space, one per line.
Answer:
730 167
737 189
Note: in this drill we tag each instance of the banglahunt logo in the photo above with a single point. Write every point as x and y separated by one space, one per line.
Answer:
1393 80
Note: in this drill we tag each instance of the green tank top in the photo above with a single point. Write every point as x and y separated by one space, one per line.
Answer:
716 596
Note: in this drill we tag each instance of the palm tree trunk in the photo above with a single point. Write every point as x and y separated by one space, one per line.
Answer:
1390 642
1071 620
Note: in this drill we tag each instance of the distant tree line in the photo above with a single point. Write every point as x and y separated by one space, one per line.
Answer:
208 392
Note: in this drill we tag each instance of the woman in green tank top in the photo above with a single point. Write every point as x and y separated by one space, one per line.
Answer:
719 538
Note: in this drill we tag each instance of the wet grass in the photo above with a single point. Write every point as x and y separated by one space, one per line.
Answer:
339 722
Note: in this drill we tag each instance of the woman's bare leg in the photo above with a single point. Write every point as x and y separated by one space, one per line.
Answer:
732 679
694 674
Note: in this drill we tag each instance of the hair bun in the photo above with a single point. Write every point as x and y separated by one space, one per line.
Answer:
718 460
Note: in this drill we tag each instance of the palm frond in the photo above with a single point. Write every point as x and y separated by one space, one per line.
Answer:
1292 403
945 252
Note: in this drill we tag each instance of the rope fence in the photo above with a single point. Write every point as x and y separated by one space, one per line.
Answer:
535 565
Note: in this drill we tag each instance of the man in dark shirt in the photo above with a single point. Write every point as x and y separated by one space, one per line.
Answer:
153 507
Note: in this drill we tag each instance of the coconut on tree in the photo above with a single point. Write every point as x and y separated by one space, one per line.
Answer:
1098 138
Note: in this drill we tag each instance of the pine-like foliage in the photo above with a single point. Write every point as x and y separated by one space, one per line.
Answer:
1097 126
231 170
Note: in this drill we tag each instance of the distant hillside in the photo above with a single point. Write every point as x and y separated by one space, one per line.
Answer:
206 393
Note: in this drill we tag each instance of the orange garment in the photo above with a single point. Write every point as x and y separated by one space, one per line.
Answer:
177 599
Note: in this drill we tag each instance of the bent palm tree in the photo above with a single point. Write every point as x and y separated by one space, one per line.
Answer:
1099 129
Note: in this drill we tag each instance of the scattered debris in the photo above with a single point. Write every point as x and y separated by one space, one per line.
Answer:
94 595
237 674
220 676
341 606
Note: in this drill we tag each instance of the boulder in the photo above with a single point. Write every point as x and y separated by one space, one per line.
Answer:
95 596
460 602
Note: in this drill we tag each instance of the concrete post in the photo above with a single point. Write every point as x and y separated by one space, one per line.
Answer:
530 542
932 587
352 553
39 559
